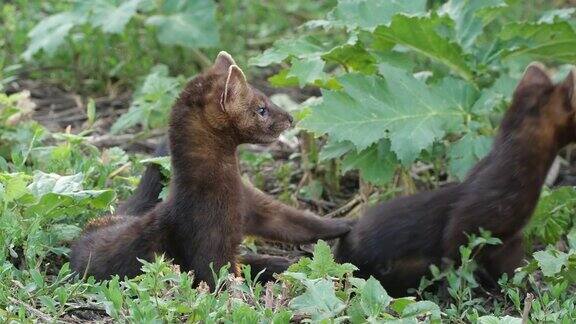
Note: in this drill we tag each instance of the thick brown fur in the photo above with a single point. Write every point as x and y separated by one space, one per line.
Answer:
397 241
209 208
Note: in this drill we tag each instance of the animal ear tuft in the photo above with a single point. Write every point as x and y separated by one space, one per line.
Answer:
236 84
535 74
223 62
569 86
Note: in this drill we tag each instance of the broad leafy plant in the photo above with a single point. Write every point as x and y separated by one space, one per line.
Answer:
403 82
185 23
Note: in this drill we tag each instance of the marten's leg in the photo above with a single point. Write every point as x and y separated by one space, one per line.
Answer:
211 247
400 275
145 196
265 265
505 258
273 220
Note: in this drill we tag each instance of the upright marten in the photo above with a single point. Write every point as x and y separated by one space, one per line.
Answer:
209 207
397 241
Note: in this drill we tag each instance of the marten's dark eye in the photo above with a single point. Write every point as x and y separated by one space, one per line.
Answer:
262 111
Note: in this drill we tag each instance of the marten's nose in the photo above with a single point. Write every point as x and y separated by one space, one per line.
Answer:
291 119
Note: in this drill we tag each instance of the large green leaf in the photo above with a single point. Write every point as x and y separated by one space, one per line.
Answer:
51 32
307 70
190 24
152 102
551 261
398 107
45 183
372 13
470 17
373 298
319 301
553 215
334 149
555 41
465 153
14 187
353 57
322 264
305 47
113 18
420 35
376 163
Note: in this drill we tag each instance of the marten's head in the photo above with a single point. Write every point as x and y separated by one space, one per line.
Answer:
226 103
537 100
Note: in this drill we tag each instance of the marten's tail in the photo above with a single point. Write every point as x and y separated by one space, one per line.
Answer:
146 195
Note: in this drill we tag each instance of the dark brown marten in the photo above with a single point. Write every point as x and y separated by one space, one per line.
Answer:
209 207
397 241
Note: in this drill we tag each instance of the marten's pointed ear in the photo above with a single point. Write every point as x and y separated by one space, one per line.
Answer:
223 62
569 87
535 74
235 86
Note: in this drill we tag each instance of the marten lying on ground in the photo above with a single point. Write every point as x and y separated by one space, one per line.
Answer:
209 207
397 241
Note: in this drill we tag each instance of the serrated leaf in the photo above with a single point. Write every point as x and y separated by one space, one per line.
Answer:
373 298
421 308
551 262
467 17
301 47
376 163
55 191
51 32
112 18
370 108
466 152
322 264
319 301
399 304
552 216
65 232
152 102
368 14
354 57
190 24
554 41
334 150
419 34
307 70
457 93
15 187
44 183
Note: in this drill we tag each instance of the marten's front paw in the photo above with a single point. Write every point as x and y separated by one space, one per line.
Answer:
338 227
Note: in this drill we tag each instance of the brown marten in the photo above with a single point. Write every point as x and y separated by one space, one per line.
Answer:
209 207
147 196
397 241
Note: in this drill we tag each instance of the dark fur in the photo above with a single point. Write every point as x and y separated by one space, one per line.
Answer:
146 195
209 208
397 241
